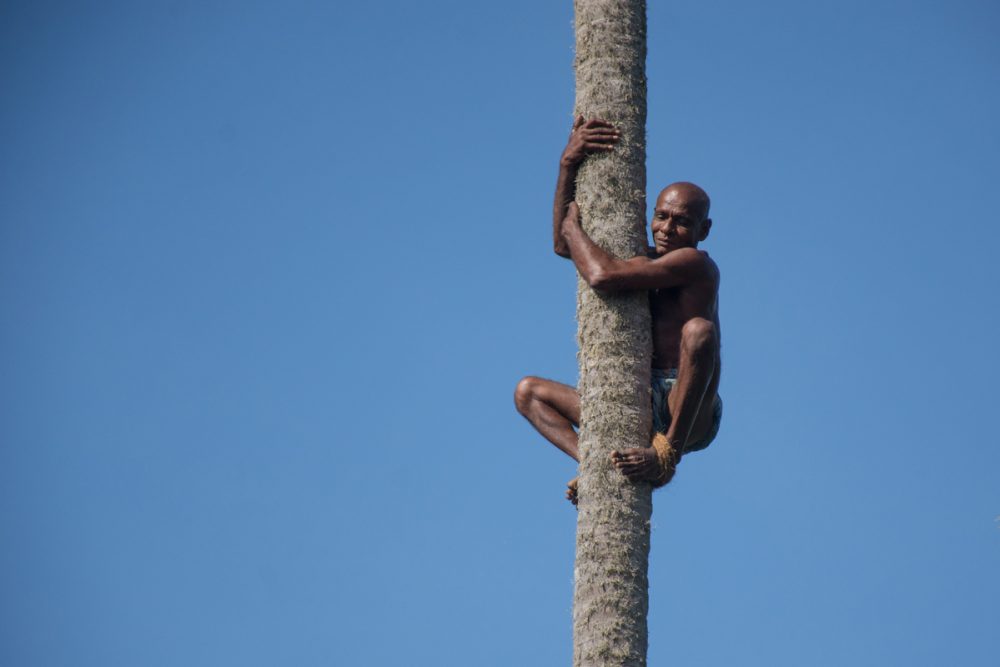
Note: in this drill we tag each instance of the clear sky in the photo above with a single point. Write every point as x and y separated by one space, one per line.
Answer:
269 273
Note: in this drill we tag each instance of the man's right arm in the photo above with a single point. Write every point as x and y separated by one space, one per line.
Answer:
586 137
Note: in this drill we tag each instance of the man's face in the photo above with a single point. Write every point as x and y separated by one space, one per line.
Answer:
676 222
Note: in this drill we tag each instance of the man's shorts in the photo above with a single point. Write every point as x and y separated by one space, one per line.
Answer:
663 381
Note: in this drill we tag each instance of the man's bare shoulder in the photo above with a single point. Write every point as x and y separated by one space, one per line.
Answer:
713 267
695 263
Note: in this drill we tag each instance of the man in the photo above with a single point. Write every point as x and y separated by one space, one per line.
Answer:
683 285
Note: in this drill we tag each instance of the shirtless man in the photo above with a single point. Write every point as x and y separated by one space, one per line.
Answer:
683 285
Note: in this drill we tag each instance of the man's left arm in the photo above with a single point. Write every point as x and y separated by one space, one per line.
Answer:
607 273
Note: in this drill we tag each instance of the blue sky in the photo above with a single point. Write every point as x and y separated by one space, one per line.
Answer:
269 273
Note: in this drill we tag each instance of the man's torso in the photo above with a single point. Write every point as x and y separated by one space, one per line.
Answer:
671 308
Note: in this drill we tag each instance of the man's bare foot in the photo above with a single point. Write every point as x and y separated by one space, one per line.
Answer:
638 463
655 464
571 490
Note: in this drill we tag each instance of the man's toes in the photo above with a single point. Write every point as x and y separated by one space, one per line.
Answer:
571 488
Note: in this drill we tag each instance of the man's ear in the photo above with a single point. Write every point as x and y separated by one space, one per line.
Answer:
706 227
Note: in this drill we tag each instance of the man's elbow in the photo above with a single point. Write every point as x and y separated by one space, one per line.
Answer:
602 280
562 250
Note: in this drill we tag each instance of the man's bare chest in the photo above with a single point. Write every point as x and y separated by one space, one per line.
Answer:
670 308
663 302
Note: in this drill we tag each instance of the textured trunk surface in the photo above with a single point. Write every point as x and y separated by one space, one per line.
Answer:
612 540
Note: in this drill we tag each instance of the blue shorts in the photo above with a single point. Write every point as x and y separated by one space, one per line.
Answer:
663 381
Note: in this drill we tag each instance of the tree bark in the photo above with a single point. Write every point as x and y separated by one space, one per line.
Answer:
612 544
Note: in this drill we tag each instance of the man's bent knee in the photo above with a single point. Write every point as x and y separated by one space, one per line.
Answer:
525 392
698 333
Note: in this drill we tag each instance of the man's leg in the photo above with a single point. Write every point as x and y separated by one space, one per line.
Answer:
695 380
553 409
690 404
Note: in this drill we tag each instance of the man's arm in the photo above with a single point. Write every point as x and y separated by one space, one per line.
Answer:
607 273
586 137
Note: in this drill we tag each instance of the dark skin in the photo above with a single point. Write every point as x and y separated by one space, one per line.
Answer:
682 283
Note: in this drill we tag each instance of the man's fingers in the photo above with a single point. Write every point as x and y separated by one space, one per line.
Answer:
572 212
600 136
591 146
578 122
598 122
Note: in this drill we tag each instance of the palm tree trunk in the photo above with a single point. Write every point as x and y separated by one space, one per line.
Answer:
612 544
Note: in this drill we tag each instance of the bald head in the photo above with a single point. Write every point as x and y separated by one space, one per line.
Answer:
688 196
